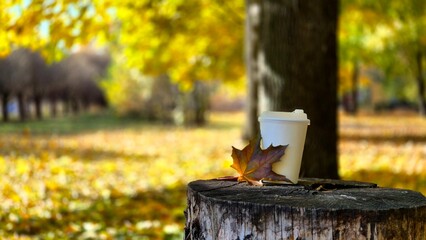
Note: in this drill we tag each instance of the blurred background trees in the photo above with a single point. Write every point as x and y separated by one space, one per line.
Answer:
27 77
148 40
381 50
382 46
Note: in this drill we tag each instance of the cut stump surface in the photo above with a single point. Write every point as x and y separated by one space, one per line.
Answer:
312 209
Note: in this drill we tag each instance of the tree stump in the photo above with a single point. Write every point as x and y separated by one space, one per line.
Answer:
312 209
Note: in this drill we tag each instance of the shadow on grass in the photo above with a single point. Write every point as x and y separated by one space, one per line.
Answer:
96 122
81 152
152 214
381 138
73 124
383 178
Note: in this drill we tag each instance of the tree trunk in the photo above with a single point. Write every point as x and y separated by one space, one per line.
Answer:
297 61
350 98
53 107
38 106
22 106
316 209
75 106
347 102
85 104
193 105
253 10
200 96
420 84
354 91
5 99
66 101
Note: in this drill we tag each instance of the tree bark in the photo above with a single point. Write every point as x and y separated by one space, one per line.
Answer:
297 68
420 84
5 99
38 106
53 107
354 91
75 105
252 30
350 98
22 106
318 209
66 102
200 96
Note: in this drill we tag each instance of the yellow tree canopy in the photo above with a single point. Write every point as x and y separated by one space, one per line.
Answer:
383 34
51 27
189 40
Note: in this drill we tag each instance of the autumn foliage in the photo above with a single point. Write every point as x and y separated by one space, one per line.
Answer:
254 164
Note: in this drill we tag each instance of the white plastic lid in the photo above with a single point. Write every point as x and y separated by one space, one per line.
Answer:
297 115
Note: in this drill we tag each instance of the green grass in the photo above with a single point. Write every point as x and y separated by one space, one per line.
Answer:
72 124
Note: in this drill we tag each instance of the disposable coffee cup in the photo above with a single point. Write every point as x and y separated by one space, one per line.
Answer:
285 128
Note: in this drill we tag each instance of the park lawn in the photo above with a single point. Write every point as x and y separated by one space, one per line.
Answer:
111 180
102 177
387 149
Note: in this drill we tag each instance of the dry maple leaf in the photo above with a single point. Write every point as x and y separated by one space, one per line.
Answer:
254 164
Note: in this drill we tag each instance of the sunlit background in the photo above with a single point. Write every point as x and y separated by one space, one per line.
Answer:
110 108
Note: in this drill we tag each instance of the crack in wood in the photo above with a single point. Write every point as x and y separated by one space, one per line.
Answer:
221 187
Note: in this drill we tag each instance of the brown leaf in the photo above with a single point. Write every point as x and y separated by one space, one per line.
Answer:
254 164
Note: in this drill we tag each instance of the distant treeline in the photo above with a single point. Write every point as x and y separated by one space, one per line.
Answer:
26 77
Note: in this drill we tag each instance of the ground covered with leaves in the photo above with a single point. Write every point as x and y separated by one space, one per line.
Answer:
97 177
100 177
386 149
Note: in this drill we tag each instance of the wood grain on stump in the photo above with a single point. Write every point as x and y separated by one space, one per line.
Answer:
313 209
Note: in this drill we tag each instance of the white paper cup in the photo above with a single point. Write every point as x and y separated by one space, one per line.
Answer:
285 128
